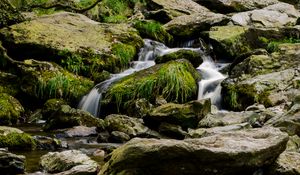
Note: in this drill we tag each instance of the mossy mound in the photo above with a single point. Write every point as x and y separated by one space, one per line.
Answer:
45 80
9 83
16 139
176 81
77 43
8 14
194 57
153 30
11 109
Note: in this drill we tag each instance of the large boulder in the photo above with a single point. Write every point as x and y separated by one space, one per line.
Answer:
45 80
11 163
67 117
11 109
276 15
227 6
191 25
176 81
15 139
8 14
71 160
76 42
223 154
166 10
186 115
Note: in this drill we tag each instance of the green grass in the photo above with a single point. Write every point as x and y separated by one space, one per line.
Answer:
272 45
124 53
72 62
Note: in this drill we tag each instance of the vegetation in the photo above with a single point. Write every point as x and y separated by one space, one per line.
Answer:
124 53
10 109
17 141
272 45
176 81
153 30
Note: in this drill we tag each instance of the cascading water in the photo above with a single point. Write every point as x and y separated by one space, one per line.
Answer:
208 87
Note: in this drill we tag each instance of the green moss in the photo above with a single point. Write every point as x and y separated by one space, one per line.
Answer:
176 81
153 30
194 57
17 141
272 45
124 53
10 109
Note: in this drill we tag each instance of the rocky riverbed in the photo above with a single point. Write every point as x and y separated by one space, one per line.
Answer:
137 62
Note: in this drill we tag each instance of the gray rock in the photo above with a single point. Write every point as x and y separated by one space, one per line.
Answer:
286 164
81 131
172 131
118 137
56 162
223 154
11 163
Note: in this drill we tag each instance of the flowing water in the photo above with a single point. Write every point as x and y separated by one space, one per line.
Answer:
209 87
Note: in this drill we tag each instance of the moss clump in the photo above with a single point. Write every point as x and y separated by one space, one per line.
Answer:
194 57
124 53
153 30
176 81
17 141
10 109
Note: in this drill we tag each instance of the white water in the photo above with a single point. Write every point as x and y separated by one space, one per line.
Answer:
147 55
210 85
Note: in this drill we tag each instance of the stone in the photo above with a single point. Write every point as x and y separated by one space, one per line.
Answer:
9 83
11 109
227 153
9 15
81 131
51 106
172 131
228 6
185 115
11 163
293 144
57 162
47 143
118 137
190 26
70 38
67 117
286 164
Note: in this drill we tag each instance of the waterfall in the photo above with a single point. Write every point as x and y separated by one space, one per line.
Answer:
210 85
150 51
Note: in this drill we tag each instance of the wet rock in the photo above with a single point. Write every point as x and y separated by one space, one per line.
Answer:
204 132
276 15
81 131
190 26
293 144
47 143
185 115
67 117
15 139
133 127
286 164
71 161
166 10
140 108
9 15
193 56
51 106
172 131
118 137
235 5
176 81
9 83
11 109
11 163
227 153
73 39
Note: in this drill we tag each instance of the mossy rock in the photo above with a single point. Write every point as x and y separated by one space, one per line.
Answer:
9 83
153 30
11 109
77 43
176 81
15 139
8 14
67 117
51 106
45 80
194 57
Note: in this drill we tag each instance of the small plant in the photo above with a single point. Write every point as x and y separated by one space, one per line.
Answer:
72 62
125 53
273 45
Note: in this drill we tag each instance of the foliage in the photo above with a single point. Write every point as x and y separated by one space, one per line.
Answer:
124 53
175 81
153 30
72 62
272 45
17 141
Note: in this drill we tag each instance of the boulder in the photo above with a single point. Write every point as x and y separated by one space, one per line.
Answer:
74 41
190 26
231 153
15 139
228 6
166 10
172 131
194 56
11 163
67 117
176 81
45 80
51 106
9 83
9 15
276 15
11 109
57 162
186 115
81 131
286 164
